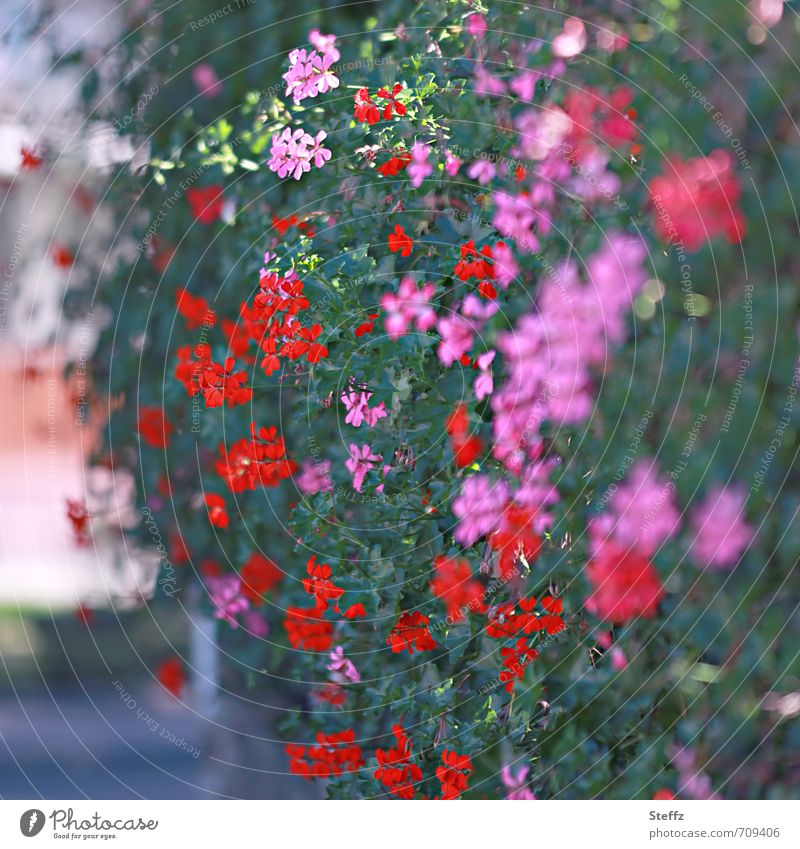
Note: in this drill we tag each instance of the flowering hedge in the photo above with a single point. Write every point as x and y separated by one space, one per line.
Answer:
440 397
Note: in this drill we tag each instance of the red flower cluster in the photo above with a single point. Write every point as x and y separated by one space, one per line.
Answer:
206 203
509 621
366 111
195 310
62 256
410 632
219 384
453 774
515 539
479 266
596 114
282 225
154 428
367 326
305 627
217 514
258 461
171 675
395 770
400 241
466 448
395 164
306 630
625 584
696 200
319 585
334 754
454 584
273 319
30 159
259 575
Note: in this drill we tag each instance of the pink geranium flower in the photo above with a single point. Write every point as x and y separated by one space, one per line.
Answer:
721 533
226 596
361 461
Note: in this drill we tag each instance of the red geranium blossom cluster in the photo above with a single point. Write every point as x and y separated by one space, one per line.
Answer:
411 632
334 754
453 774
154 427
274 324
217 512
366 111
206 203
395 769
259 574
195 310
454 584
596 115
305 627
515 539
466 447
400 242
625 584
696 200
478 265
258 461
395 164
519 621
171 675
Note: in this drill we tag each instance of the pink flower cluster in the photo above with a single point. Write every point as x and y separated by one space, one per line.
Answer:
342 669
356 400
294 151
310 73
479 507
721 533
314 477
361 461
458 329
226 596
551 352
419 168
640 513
411 305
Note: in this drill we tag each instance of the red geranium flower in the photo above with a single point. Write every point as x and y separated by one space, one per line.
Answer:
258 461
195 310
365 110
516 539
395 770
206 203
399 241
410 632
393 102
697 200
334 754
466 448
171 675
625 584
30 159
217 514
455 585
154 428
259 574
305 629
395 164
62 257
453 774
319 584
